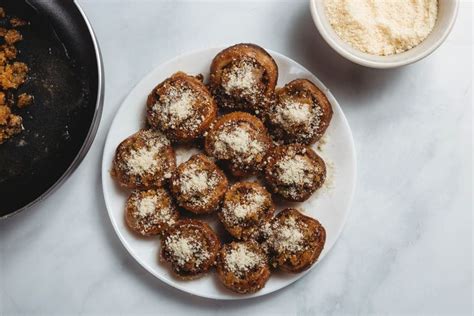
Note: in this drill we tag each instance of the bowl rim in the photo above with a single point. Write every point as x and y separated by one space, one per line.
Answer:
359 58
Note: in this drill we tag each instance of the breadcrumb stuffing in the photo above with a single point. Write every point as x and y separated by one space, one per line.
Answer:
24 100
10 124
12 75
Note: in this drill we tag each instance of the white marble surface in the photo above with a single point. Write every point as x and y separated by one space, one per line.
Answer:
407 247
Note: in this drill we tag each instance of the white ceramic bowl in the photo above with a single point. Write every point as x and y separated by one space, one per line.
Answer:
446 17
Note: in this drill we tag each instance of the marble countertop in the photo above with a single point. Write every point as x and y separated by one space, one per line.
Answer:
407 245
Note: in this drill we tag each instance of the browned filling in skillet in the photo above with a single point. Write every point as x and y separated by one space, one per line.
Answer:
13 74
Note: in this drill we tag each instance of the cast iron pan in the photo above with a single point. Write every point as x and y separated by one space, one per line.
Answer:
65 79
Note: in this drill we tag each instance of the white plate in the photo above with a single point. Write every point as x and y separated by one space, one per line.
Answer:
330 205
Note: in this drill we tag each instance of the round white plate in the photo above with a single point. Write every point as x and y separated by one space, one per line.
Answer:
330 205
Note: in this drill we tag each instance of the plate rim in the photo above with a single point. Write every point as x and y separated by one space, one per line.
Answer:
105 172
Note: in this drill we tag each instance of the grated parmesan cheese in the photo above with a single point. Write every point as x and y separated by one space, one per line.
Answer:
382 27
294 112
179 109
236 212
300 119
288 236
147 208
143 160
194 180
147 205
197 183
240 141
241 259
186 249
176 108
241 77
293 170
146 159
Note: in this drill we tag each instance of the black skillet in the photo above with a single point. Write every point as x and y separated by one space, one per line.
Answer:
66 80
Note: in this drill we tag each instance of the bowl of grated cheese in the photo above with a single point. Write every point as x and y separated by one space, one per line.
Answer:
384 33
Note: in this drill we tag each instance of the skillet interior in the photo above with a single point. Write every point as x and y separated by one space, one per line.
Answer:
58 48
